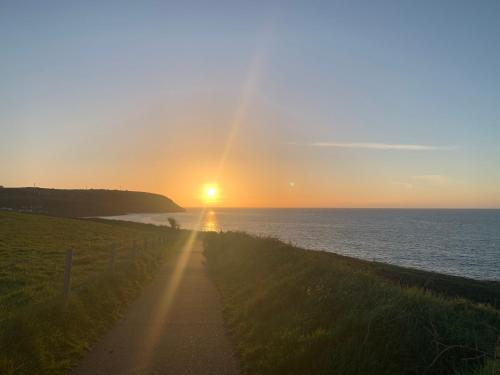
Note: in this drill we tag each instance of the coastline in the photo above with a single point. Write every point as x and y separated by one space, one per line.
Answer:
452 242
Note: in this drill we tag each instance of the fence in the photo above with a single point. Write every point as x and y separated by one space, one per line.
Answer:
114 251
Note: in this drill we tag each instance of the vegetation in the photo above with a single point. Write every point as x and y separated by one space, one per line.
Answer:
173 223
37 334
293 311
82 203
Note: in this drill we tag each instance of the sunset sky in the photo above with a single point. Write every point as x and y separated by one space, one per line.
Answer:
281 104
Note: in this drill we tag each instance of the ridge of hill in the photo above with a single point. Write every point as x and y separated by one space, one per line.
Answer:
80 202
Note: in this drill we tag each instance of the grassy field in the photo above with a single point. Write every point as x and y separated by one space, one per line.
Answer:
293 311
38 335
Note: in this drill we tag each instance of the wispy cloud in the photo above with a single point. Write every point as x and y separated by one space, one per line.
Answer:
404 185
375 146
434 179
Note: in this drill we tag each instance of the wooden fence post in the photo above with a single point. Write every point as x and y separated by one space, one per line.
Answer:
134 249
112 260
67 275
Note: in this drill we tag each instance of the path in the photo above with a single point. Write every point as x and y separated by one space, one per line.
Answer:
174 328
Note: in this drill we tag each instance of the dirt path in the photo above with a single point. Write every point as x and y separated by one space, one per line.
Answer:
175 327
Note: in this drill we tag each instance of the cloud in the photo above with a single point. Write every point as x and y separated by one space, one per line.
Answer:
376 146
433 179
404 185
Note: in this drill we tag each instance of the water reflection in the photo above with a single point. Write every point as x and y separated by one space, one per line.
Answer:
210 223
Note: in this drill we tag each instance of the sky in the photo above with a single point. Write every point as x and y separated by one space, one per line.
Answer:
280 104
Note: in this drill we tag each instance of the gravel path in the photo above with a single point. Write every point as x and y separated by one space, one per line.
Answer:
175 327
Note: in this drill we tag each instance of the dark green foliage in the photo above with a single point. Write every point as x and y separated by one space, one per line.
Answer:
293 311
81 203
173 223
37 334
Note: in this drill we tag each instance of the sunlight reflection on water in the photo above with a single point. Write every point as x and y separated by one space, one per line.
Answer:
209 222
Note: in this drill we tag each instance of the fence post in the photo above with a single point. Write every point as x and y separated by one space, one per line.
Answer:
134 247
67 275
112 260
136 251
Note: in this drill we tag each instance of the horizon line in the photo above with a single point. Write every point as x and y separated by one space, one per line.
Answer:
342 208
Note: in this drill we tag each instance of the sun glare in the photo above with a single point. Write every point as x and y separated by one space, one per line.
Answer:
210 193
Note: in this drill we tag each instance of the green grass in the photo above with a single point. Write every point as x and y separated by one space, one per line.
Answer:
293 311
485 292
38 335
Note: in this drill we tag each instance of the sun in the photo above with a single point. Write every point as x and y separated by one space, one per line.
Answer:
210 193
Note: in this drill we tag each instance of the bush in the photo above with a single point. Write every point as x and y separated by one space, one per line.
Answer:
173 223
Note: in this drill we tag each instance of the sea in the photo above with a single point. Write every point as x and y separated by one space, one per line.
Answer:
450 241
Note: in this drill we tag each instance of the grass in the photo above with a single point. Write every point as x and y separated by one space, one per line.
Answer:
484 292
293 311
37 334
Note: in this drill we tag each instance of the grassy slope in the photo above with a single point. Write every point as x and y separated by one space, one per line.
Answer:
36 335
486 292
292 311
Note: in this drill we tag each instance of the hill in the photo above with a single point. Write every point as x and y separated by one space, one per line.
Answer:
80 203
